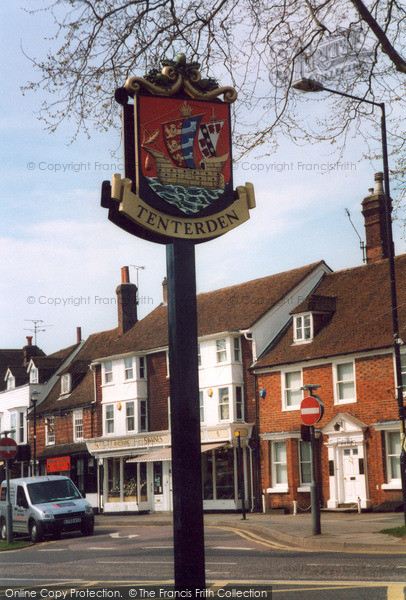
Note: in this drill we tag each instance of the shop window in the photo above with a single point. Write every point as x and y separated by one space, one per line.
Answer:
158 485
237 349
130 482
50 430
303 328
78 425
143 367
304 458
279 465
292 394
221 350
393 456
108 372
143 415
207 475
109 418
224 458
239 407
143 490
345 383
128 368
65 383
201 406
113 480
224 404
129 416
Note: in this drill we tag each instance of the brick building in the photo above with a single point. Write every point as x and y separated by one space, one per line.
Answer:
341 338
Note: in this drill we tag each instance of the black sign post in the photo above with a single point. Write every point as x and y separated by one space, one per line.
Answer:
178 191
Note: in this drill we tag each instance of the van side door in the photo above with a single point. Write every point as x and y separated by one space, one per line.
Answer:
20 511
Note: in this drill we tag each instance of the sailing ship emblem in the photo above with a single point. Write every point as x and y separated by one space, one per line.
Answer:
185 153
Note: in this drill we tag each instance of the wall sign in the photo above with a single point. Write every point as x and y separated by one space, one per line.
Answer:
61 463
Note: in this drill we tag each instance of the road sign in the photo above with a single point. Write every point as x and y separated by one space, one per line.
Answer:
311 410
8 448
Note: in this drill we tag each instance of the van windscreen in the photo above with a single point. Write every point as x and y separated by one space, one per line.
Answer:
52 491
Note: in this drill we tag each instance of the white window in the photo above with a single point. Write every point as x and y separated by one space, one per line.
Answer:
221 350
403 371
224 404
279 465
239 407
199 355
21 427
345 383
34 375
304 459
142 367
78 425
50 430
292 394
108 372
11 382
13 426
237 349
66 383
128 368
303 328
1 418
167 365
392 441
143 415
201 405
109 418
129 416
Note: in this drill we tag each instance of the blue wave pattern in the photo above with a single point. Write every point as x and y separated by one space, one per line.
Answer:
189 200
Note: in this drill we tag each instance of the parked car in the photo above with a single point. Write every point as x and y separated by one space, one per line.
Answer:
46 505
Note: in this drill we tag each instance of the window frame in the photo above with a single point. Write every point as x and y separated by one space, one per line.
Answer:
220 352
11 382
201 406
50 425
129 417
403 372
34 375
107 421
300 318
224 405
78 425
276 486
66 384
337 382
237 350
142 367
304 485
286 390
199 355
239 402
392 482
128 368
142 414
107 373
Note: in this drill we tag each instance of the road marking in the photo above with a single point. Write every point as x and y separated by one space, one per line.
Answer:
155 547
51 550
101 548
396 591
253 537
229 548
116 534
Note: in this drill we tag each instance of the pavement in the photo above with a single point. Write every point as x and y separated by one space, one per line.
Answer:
340 531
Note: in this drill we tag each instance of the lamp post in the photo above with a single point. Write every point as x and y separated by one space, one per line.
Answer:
34 400
310 85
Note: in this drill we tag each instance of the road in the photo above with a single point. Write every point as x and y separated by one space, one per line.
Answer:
140 557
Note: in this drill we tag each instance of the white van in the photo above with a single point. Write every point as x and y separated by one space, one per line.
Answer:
45 506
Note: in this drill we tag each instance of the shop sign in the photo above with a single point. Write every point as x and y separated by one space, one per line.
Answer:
60 463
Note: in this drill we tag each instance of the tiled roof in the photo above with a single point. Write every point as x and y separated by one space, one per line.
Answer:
13 359
316 303
362 320
233 308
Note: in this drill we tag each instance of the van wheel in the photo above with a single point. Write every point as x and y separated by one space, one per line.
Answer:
87 529
3 530
35 532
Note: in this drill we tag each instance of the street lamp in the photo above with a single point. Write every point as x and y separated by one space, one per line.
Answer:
34 400
310 85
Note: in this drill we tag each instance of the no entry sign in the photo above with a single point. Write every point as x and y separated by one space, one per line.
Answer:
311 410
8 448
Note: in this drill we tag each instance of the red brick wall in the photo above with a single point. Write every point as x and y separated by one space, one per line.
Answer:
375 402
158 392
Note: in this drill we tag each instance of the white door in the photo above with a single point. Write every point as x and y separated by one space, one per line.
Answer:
350 475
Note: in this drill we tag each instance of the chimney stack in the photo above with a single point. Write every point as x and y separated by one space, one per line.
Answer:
78 335
374 212
165 290
29 351
126 302
29 340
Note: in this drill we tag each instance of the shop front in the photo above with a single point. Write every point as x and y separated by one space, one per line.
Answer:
137 470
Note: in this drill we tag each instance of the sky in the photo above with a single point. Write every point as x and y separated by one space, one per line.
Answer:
61 257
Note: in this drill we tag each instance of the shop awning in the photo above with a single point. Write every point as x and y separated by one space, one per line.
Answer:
166 453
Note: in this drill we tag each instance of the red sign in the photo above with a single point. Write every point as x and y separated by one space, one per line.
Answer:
8 448
61 463
311 410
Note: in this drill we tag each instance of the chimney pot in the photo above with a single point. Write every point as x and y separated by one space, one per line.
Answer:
165 290
78 334
29 340
371 190
378 183
125 275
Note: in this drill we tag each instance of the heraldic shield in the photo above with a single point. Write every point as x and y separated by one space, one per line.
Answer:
184 155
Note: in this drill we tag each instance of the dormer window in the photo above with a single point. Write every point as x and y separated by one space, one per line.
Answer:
65 383
303 328
11 382
34 375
